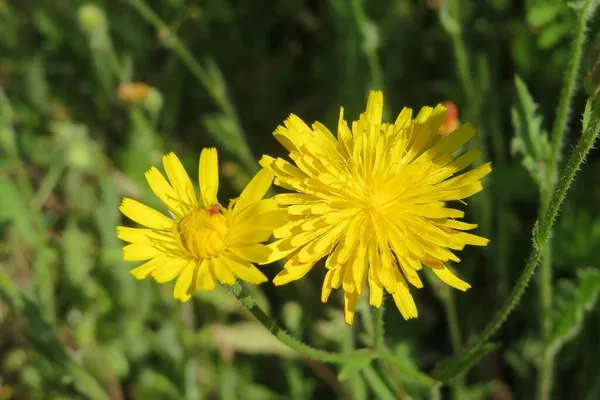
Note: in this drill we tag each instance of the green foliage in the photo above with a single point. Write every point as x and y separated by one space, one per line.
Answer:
573 301
75 324
530 140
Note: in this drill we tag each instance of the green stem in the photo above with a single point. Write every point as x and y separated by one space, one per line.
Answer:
49 182
248 302
455 335
378 331
377 384
541 233
568 90
418 376
461 54
215 87
557 138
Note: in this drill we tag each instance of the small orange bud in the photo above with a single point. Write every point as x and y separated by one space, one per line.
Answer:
133 92
451 121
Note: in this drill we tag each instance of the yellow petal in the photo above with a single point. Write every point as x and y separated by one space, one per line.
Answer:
403 299
291 272
222 271
255 190
256 253
169 270
145 270
450 279
180 180
326 288
182 291
244 270
208 173
204 277
349 306
164 191
463 226
140 252
375 290
141 235
474 240
144 215
374 111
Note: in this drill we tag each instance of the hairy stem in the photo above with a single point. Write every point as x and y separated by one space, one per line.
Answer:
248 302
557 138
541 233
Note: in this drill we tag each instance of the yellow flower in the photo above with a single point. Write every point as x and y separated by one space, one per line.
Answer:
375 199
202 242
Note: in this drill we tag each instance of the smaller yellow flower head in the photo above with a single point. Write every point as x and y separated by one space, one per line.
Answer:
202 242
376 200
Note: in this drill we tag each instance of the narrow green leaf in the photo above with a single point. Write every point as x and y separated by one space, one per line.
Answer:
530 140
587 114
44 266
351 368
381 390
235 337
572 301
76 245
452 368
14 211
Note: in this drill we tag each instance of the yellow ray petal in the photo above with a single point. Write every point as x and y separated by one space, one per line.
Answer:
403 299
182 291
291 272
256 253
141 235
144 215
169 270
326 288
140 252
450 279
375 289
164 191
204 277
244 270
349 306
221 271
374 111
208 173
145 270
255 190
180 181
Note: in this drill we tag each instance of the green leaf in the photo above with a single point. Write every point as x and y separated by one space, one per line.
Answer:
76 245
235 337
572 301
452 368
544 12
37 89
13 210
155 386
381 390
587 115
350 369
530 140
44 266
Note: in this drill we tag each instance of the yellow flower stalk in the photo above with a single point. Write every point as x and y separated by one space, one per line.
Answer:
376 200
201 242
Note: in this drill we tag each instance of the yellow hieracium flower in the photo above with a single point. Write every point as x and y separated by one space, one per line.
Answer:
202 242
375 199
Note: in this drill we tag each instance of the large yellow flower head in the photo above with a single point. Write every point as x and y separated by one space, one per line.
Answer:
375 199
201 242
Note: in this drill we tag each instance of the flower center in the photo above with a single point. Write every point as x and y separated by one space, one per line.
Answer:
203 232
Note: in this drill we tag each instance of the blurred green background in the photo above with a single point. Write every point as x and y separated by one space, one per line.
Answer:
94 93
